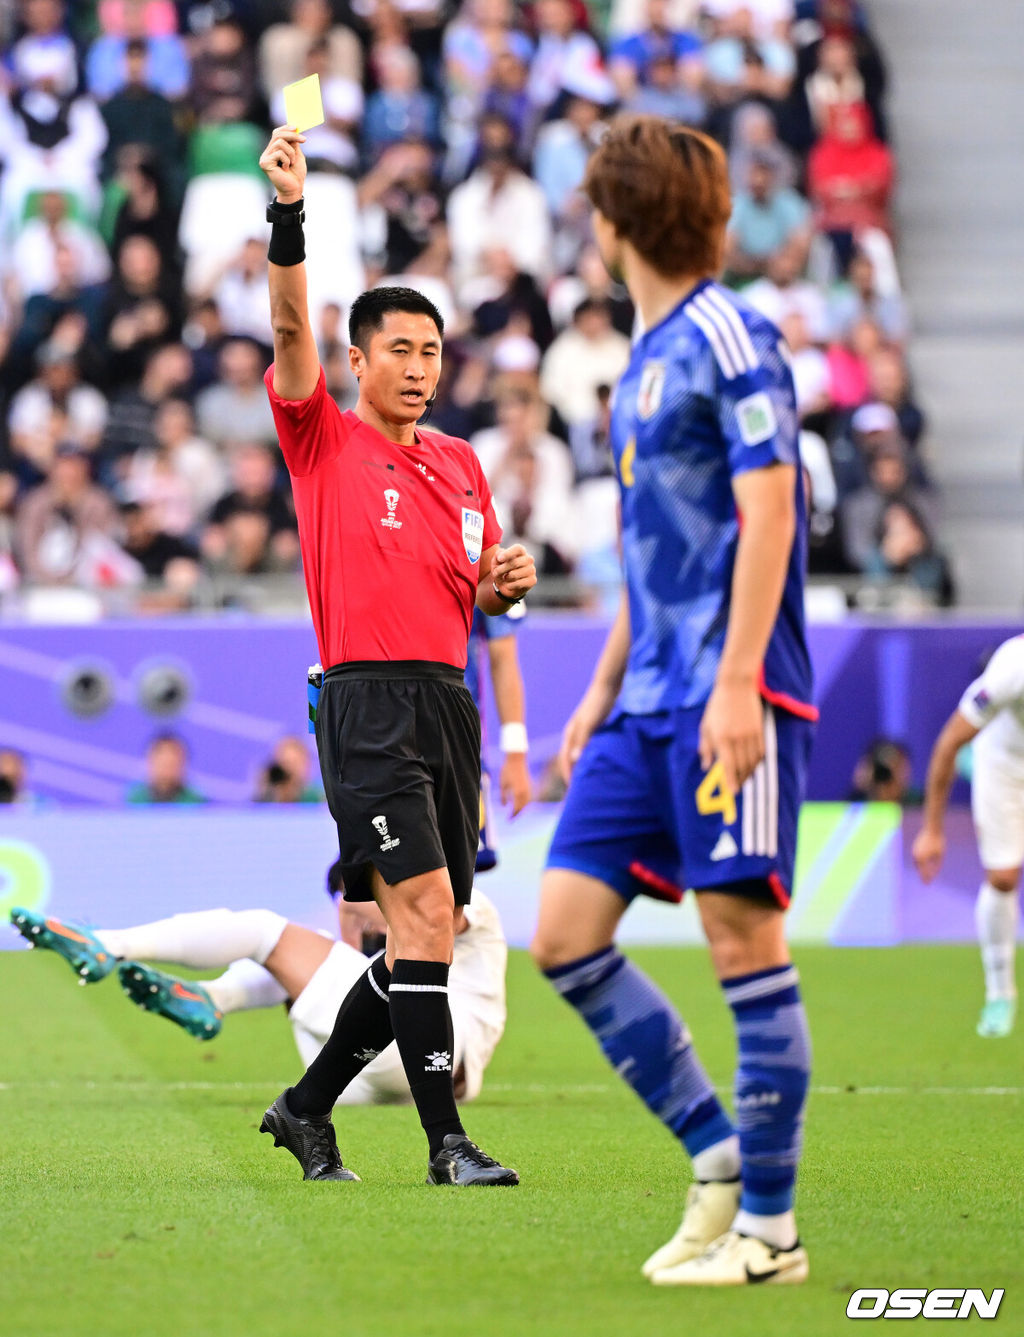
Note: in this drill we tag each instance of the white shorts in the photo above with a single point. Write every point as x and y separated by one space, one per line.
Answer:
997 805
382 1082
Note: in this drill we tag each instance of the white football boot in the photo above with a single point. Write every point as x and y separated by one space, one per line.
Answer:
709 1212
739 1260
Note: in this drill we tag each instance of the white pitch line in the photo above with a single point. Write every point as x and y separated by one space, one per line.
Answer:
528 1088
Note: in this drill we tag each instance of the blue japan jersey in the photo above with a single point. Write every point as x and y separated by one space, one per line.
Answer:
708 395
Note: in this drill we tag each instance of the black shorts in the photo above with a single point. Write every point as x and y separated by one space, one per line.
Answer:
399 747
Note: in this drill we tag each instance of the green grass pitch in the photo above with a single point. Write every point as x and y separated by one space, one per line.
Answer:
137 1197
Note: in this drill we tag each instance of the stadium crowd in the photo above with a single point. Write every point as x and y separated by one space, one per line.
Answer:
137 450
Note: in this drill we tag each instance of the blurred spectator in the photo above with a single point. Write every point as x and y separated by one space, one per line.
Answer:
888 480
766 217
242 295
166 779
166 69
252 528
55 402
236 407
223 74
138 114
333 144
664 94
32 261
753 132
50 139
859 298
835 83
44 38
133 408
746 60
850 178
144 307
889 383
284 47
588 354
400 108
403 186
826 553
147 211
57 520
631 58
560 160
499 205
783 291
530 473
180 475
762 18
590 279
503 293
561 51
811 375
905 551
508 96
286 776
70 314
848 361
883 775
170 564
482 55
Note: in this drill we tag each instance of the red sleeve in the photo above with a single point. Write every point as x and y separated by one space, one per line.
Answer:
309 430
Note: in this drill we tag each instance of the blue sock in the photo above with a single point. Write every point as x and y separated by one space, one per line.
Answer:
645 1041
771 1084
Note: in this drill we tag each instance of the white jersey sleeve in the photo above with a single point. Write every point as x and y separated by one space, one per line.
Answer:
999 687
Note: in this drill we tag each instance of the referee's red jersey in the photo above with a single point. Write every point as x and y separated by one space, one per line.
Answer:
391 535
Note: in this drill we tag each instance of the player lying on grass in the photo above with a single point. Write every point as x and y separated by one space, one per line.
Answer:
991 712
268 961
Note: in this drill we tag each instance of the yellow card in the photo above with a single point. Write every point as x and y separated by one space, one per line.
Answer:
303 105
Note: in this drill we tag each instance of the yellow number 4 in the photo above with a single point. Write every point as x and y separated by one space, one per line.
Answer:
712 796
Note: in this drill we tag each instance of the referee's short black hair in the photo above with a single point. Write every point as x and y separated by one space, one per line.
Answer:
369 309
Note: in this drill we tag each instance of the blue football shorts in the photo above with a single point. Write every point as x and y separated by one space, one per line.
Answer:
645 818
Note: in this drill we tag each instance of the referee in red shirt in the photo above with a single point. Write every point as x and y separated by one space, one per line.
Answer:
399 542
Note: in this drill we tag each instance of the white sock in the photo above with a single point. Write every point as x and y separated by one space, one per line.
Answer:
244 985
721 1161
778 1231
995 915
204 940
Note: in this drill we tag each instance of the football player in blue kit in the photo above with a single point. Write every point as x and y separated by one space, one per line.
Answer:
689 750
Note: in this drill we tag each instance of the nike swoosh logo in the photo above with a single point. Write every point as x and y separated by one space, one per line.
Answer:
755 1277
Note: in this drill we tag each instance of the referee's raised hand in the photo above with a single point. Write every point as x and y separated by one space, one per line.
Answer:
285 164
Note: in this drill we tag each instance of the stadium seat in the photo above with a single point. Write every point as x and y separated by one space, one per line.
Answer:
235 147
221 211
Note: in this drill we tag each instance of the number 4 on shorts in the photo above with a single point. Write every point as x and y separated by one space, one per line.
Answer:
713 796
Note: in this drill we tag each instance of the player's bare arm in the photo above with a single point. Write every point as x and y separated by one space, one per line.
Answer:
732 729
600 696
507 680
296 362
506 575
929 847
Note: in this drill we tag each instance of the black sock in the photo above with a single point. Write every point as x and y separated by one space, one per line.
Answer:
422 1022
361 1031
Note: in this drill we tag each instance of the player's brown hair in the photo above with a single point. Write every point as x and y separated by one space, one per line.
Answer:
665 189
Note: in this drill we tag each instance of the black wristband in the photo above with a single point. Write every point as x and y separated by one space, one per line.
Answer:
287 240
505 599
